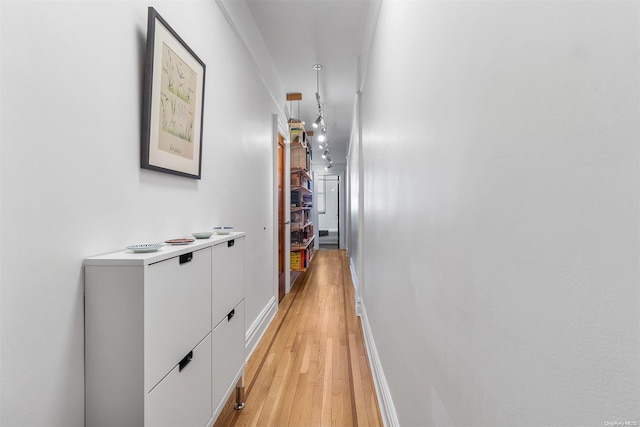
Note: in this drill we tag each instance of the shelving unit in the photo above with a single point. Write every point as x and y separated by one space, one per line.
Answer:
302 231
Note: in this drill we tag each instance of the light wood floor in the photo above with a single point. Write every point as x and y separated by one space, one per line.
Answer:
310 368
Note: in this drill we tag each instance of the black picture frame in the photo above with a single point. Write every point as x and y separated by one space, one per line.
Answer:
173 103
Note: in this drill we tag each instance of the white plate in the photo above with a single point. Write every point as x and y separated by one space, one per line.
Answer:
181 241
223 230
145 247
202 234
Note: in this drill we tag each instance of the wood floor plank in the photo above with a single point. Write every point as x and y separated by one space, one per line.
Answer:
310 367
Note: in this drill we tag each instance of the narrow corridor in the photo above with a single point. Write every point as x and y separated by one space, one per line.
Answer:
311 368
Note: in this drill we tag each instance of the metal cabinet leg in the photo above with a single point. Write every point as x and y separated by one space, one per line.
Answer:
239 395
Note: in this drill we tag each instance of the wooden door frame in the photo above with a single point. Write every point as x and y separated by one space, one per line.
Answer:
282 227
281 127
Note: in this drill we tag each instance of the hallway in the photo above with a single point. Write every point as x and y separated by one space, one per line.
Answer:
310 368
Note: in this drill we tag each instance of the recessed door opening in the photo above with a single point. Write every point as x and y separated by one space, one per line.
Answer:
328 196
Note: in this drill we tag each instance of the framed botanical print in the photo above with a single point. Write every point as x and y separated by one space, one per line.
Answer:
173 102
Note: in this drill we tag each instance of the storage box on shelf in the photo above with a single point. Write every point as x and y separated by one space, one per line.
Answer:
164 333
299 149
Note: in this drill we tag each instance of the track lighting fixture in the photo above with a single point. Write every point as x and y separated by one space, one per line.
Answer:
328 167
319 122
323 135
318 67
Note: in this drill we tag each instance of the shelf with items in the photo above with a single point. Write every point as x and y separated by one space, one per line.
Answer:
301 255
298 209
300 219
303 245
301 198
302 172
303 189
301 205
301 179
300 227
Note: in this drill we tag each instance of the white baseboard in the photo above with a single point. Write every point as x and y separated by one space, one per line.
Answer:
259 326
354 276
387 409
354 280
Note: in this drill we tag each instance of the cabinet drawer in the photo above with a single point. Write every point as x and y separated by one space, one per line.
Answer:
228 352
183 398
177 311
228 277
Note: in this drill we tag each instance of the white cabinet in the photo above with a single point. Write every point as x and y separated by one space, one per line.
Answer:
155 352
228 278
227 319
183 397
227 366
177 311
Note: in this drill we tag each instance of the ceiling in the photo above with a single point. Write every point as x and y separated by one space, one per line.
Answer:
302 33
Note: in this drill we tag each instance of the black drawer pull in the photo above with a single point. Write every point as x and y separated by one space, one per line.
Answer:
186 258
184 362
231 314
231 243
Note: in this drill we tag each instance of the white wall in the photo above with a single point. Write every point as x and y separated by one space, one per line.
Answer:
354 196
501 184
71 185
